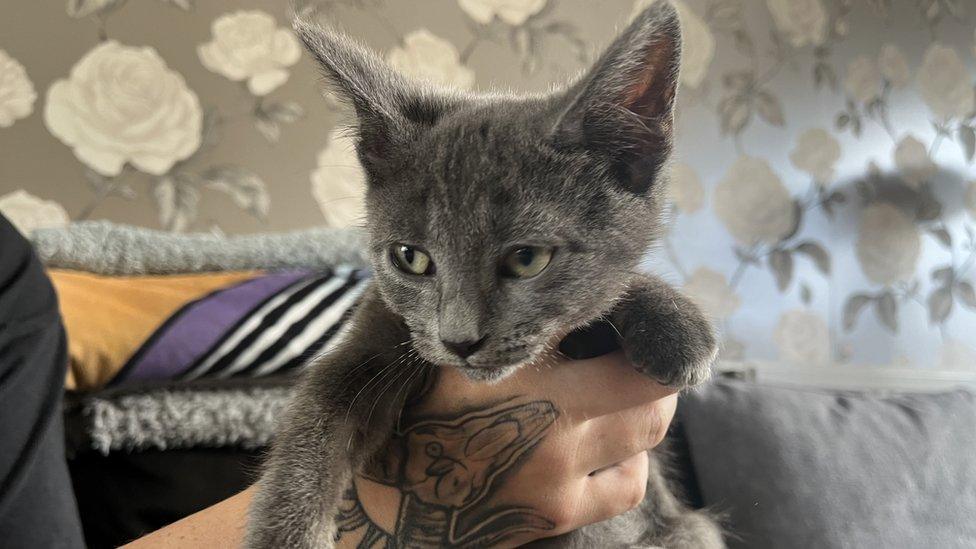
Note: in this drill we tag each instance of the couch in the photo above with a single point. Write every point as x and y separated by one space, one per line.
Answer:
160 425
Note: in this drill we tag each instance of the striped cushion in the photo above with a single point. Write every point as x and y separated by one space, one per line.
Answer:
139 329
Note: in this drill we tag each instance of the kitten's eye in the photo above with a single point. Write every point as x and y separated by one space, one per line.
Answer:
526 261
411 260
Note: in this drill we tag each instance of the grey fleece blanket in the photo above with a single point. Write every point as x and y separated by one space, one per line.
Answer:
165 419
106 248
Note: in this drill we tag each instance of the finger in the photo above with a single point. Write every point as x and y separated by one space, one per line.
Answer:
614 490
581 389
608 439
601 386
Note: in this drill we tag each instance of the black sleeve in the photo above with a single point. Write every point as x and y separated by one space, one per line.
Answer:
37 504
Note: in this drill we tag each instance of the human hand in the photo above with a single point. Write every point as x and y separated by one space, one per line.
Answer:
553 447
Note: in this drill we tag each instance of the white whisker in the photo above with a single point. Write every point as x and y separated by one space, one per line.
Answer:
380 373
393 379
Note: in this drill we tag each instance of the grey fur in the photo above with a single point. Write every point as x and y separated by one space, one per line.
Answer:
468 177
105 248
164 419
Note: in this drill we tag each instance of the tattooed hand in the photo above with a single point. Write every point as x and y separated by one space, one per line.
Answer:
545 451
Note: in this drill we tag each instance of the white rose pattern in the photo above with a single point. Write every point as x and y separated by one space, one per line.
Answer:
712 292
888 244
697 42
249 46
803 338
893 66
686 191
339 182
426 57
816 152
945 83
27 212
804 22
122 104
753 203
513 12
913 162
17 93
863 81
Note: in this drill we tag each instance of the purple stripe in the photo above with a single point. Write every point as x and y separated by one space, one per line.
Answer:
197 327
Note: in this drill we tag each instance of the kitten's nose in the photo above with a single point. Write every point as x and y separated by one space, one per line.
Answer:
466 348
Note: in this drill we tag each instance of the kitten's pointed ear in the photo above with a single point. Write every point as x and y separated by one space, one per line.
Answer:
387 105
624 107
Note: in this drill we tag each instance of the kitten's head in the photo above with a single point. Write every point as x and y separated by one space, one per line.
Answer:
496 222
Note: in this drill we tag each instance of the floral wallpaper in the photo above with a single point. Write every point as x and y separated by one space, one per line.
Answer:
824 192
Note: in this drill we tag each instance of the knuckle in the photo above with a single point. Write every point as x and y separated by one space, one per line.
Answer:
646 432
655 426
638 490
562 513
637 443
634 486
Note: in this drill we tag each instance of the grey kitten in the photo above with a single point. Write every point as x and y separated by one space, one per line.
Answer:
495 222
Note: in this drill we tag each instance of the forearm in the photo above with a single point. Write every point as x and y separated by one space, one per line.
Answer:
222 525
218 527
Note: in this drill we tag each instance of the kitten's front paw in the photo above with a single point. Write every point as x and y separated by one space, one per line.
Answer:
688 374
678 358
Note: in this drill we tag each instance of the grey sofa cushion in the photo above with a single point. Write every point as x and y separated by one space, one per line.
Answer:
797 468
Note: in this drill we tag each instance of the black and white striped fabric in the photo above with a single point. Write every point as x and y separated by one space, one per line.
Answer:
283 332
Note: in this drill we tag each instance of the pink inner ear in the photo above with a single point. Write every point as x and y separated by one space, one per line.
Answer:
652 89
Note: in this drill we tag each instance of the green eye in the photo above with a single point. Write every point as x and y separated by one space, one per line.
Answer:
412 260
526 261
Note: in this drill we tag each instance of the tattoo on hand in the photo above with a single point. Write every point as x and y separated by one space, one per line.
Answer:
446 471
